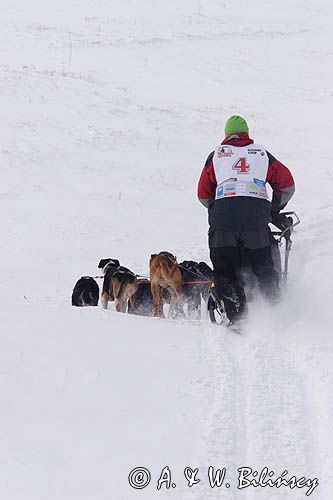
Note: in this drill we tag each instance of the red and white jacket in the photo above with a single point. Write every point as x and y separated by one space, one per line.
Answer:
278 176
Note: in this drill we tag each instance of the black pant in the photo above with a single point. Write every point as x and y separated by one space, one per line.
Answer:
227 253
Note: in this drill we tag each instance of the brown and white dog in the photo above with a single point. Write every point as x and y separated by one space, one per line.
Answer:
119 284
165 273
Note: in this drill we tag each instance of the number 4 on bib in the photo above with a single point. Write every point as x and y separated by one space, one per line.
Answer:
241 166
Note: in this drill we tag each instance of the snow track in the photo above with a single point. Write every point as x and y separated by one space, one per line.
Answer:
224 438
275 414
261 414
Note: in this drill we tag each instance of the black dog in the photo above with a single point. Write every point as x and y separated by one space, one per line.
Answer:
142 301
119 284
86 292
196 279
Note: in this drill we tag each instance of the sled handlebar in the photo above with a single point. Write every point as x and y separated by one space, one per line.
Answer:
292 220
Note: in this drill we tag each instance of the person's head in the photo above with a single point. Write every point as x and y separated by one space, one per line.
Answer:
236 125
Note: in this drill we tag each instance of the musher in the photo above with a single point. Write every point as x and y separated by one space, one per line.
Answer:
233 188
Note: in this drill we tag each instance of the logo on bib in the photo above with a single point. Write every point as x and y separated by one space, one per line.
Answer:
259 182
224 152
219 192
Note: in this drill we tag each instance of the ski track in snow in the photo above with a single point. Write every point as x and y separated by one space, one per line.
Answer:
261 414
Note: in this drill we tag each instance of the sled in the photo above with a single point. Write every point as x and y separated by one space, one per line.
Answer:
282 238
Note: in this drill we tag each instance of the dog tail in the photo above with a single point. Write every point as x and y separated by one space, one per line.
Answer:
119 280
93 300
116 286
169 266
123 288
81 302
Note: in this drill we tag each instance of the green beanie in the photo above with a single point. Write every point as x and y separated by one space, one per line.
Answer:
236 125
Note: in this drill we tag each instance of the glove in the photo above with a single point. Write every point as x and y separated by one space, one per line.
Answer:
281 221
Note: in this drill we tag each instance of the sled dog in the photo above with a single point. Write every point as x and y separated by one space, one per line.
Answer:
142 301
119 284
196 280
165 273
85 292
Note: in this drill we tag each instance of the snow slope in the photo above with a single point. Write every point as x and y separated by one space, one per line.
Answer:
109 110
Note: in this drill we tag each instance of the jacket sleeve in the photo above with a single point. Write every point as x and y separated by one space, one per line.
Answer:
280 179
207 183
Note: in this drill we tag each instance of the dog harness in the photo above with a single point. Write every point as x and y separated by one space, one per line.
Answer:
241 171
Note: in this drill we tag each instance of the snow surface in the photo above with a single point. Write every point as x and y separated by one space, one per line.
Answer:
108 111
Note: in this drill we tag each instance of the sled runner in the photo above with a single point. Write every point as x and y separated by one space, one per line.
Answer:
285 223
